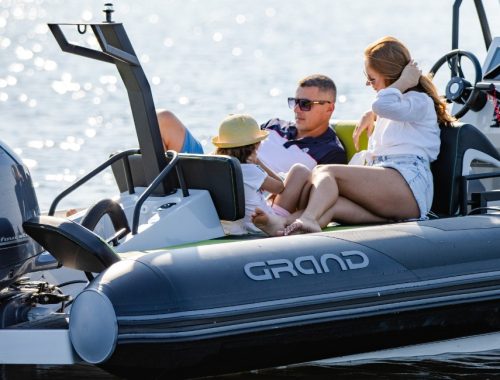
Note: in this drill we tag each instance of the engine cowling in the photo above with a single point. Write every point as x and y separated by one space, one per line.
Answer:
18 203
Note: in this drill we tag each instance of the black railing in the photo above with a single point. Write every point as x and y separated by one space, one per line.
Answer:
157 181
118 156
488 196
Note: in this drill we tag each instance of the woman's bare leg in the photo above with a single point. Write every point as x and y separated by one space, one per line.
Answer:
343 211
297 188
382 192
347 212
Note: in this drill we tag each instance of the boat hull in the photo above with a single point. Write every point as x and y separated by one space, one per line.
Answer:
260 303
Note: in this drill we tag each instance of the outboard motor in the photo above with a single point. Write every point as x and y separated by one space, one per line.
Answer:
22 299
18 203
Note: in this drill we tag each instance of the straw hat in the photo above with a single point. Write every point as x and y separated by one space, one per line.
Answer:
238 130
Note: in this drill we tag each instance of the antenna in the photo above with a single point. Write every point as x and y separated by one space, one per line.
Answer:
108 9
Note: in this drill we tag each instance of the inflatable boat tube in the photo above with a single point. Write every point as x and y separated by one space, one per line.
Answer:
259 303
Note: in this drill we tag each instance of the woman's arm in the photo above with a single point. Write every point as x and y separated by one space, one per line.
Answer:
367 122
391 104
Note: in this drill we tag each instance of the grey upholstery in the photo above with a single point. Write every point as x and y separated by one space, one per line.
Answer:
447 169
220 175
73 245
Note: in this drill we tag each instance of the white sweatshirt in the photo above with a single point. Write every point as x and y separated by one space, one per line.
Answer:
406 124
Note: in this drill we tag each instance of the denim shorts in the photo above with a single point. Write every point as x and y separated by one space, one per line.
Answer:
416 172
191 144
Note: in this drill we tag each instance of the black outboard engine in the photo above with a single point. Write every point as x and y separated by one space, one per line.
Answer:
18 203
22 300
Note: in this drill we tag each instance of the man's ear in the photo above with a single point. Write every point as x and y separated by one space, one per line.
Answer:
332 107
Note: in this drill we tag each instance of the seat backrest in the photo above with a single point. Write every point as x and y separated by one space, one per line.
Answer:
344 130
460 145
73 245
220 175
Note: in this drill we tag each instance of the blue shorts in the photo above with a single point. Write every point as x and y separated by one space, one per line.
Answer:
191 145
416 172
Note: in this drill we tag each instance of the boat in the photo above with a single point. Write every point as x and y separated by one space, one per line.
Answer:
159 302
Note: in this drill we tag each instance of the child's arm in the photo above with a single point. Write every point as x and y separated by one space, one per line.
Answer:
273 183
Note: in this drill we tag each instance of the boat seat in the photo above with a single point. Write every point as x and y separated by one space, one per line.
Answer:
344 130
73 245
460 146
220 175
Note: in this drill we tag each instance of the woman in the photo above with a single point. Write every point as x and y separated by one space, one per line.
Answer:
396 183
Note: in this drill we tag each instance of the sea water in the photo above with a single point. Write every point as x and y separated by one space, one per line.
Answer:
65 114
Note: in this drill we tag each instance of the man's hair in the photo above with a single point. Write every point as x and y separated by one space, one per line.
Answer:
324 83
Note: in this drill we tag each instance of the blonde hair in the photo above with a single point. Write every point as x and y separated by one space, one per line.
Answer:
388 56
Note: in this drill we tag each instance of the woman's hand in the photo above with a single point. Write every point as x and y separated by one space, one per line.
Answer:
367 122
409 77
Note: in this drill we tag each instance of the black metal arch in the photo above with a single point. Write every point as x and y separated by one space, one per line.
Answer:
117 49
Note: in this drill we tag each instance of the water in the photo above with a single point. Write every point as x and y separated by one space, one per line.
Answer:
482 366
204 59
65 114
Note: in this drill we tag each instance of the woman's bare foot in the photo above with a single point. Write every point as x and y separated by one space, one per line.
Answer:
271 224
302 226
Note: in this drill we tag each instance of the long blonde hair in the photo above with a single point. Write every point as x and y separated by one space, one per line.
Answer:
388 56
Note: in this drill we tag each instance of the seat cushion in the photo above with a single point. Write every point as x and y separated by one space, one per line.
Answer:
344 130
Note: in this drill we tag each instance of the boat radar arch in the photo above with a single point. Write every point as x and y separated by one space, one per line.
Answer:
117 49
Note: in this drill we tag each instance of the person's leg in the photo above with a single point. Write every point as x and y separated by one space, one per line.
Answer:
346 211
272 224
172 131
380 191
297 187
343 211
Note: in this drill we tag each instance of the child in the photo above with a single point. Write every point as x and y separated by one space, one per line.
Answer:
239 136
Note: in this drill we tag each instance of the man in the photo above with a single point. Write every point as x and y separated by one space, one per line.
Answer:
310 134
317 143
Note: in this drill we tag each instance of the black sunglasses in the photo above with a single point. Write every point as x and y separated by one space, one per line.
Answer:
304 104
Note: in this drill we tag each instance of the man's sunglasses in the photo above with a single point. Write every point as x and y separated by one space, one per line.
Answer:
304 104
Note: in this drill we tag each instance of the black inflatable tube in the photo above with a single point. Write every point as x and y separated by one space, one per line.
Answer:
232 307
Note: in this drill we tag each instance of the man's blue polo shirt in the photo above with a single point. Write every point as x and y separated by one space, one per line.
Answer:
325 149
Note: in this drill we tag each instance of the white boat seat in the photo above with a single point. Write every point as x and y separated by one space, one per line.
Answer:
220 175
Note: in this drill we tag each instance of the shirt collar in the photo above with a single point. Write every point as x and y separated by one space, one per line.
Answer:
325 136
